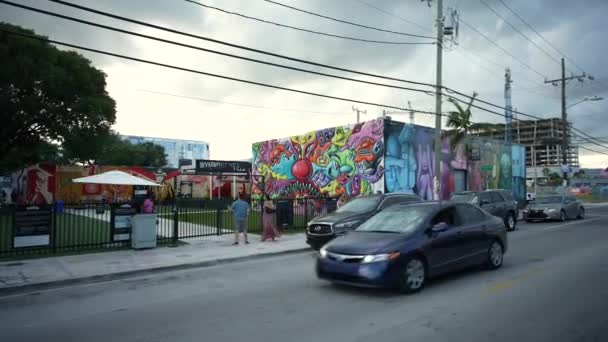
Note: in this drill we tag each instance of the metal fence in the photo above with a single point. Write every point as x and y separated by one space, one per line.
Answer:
69 228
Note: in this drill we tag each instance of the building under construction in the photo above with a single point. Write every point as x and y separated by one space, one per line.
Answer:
542 139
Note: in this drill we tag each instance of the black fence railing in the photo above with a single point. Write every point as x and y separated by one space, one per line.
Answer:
69 228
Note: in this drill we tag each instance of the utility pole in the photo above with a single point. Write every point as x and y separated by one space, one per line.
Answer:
508 108
438 89
409 105
359 111
565 147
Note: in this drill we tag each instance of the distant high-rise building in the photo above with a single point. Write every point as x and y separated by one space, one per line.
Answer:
175 149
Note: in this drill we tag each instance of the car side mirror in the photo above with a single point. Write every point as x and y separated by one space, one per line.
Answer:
484 202
439 227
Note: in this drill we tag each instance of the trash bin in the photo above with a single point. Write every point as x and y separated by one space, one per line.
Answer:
59 207
284 214
143 231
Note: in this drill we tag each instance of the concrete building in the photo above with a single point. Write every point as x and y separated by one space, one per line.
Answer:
175 149
543 142
542 139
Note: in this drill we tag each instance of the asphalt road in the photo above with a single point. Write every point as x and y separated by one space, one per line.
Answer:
553 287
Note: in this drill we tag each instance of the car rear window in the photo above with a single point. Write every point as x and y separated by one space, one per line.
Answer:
507 195
496 197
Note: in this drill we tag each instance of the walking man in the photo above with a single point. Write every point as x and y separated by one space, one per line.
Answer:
240 209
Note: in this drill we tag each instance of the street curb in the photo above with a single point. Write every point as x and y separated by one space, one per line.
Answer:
18 289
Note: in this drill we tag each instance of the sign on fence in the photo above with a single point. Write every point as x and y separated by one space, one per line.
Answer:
32 227
121 222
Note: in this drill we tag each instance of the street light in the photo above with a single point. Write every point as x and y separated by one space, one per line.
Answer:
585 99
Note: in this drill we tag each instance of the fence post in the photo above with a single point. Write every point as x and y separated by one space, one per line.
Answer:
53 230
218 220
175 225
306 211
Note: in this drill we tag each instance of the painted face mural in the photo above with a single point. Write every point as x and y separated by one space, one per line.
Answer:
342 160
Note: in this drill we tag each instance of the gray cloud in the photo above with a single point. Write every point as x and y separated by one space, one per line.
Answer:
575 27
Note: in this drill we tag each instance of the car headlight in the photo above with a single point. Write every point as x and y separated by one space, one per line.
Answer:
348 224
551 210
380 257
323 252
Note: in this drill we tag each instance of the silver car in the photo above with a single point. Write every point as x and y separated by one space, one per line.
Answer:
556 207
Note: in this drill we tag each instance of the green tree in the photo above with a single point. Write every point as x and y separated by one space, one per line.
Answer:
48 97
546 172
460 124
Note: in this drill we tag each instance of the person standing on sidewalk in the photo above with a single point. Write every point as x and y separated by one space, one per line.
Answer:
269 230
148 206
240 209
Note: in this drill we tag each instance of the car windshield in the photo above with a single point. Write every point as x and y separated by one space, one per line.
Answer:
360 205
397 219
549 199
464 198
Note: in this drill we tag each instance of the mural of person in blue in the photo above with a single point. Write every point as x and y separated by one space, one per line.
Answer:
400 160
426 165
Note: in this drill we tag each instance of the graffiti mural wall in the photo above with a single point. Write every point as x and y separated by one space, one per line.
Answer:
410 162
519 172
342 160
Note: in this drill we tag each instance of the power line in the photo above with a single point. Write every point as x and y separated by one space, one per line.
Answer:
589 138
221 42
501 48
345 21
169 66
428 92
307 30
114 16
592 150
518 31
540 35
238 104
280 56
393 15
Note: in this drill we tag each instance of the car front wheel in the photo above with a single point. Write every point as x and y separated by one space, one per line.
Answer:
495 255
562 216
413 276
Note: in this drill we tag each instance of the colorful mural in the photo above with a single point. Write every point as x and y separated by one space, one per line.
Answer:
342 160
410 161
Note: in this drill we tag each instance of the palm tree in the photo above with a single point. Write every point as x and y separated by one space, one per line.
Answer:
460 124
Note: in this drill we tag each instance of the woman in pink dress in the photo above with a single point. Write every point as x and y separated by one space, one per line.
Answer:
269 230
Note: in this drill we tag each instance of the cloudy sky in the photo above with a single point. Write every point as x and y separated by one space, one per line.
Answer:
576 28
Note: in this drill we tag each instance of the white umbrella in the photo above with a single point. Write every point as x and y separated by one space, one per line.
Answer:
115 178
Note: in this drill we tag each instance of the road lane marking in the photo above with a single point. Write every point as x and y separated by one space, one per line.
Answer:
509 283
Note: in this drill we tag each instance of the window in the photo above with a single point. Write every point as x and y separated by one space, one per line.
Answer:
485 196
507 195
496 197
404 220
448 216
361 204
468 214
389 201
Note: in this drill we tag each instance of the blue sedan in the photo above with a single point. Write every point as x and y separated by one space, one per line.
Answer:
403 246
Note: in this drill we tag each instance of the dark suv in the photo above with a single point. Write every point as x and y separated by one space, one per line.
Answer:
499 203
322 229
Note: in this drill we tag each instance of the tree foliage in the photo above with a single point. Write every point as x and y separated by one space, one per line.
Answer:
48 97
460 122
110 149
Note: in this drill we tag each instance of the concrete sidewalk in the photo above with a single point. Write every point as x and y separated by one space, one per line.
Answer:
34 274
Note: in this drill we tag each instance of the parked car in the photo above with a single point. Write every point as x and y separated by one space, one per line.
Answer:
403 246
322 229
499 203
557 207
